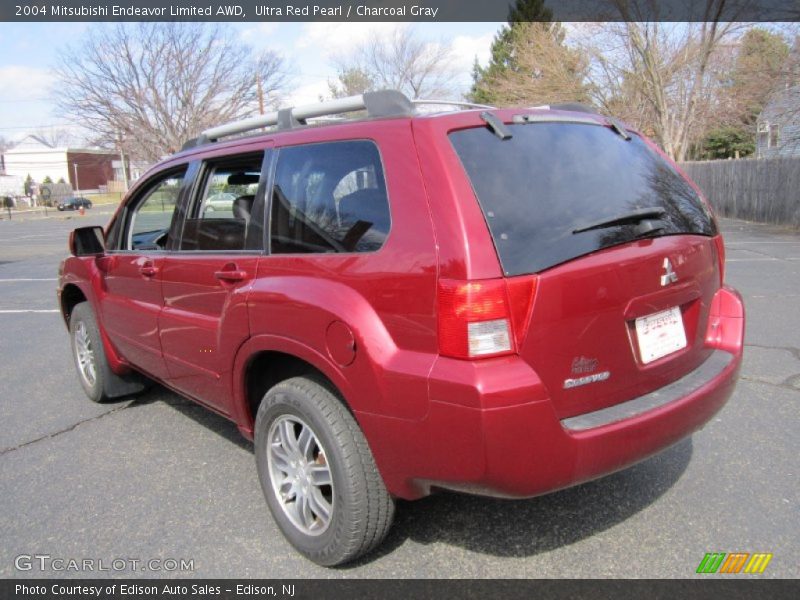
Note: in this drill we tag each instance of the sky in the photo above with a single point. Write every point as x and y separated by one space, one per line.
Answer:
28 52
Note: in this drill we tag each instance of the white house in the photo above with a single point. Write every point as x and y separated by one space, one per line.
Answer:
779 125
82 168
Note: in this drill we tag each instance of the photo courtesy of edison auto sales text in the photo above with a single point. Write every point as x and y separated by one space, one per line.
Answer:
163 589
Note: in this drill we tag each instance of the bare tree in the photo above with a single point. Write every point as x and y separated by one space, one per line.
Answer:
148 87
660 76
5 144
402 61
57 137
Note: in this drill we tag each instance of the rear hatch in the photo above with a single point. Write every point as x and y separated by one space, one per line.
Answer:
622 248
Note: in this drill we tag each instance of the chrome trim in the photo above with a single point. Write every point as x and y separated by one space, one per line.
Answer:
689 383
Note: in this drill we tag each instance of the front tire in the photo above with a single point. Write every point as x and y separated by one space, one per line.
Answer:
97 379
318 474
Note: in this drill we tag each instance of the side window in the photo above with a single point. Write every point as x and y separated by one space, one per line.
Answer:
329 197
149 224
222 213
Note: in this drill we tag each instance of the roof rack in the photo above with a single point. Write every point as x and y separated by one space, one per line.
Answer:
574 107
451 103
384 103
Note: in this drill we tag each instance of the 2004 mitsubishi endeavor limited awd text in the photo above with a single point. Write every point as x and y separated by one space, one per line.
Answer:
504 302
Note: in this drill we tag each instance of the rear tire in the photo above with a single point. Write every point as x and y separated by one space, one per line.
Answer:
318 474
97 379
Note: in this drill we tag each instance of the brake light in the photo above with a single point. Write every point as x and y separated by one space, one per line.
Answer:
478 319
726 321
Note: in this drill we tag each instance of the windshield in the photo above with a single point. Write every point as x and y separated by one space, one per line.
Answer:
544 190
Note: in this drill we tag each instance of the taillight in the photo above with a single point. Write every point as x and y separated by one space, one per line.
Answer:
721 257
726 321
478 319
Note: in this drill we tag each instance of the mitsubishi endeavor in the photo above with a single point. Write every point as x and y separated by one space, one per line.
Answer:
497 301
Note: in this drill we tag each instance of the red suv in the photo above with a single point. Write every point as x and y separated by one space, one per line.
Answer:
504 302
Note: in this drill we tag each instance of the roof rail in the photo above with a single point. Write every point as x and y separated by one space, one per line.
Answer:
574 107
450 103
384 103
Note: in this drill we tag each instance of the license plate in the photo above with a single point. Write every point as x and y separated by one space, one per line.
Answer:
660 334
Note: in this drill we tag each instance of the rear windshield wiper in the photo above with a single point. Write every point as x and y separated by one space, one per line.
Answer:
635 216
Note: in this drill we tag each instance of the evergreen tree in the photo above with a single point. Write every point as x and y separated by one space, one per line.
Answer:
760 63
351 81
502 59
727 142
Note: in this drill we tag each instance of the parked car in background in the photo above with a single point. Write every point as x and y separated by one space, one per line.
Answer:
220 202
74 203
496 301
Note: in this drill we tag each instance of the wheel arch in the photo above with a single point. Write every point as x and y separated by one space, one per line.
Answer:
266 360
71 296
81 284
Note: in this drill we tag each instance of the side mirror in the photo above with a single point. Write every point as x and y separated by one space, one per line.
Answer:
87 241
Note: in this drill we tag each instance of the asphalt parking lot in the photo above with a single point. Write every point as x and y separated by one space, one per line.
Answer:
161 478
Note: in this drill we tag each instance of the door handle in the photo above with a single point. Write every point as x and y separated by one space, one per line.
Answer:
230 275
148 270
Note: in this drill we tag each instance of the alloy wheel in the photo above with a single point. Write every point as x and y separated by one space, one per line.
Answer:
300 475
84 354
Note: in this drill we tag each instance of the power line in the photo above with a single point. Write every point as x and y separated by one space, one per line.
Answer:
49 126
35 99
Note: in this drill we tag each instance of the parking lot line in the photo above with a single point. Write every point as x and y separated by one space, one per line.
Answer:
29 310
28 279
771 259
759 242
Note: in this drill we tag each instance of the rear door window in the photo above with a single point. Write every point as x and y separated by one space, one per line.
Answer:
550 179
223 216
329 197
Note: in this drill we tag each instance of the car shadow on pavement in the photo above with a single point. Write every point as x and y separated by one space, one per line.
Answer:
498 527
198 413
522 528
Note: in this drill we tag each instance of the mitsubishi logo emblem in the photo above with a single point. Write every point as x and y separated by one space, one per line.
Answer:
669 275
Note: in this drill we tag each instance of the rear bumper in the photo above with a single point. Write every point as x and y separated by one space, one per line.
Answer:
527 451
558 456
497 433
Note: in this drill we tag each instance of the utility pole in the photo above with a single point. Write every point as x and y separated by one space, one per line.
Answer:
77 185
124 166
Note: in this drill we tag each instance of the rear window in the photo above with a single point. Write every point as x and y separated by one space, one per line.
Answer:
329 197
550 179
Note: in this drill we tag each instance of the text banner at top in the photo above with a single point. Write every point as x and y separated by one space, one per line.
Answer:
396 10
